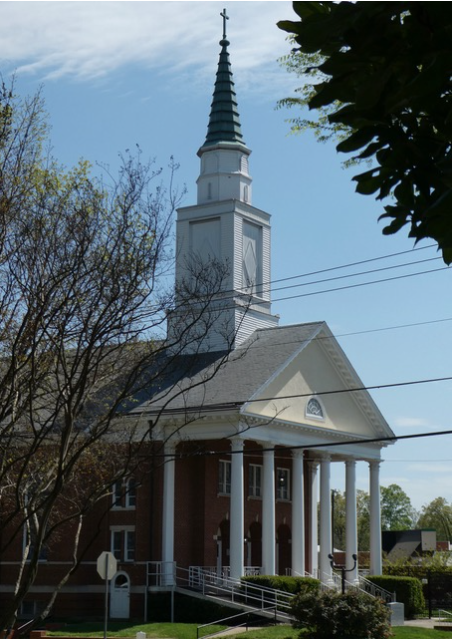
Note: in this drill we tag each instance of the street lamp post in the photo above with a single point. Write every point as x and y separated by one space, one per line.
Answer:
342 569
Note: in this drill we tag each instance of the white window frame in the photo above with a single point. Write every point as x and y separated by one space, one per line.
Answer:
124 494
255 481
224 477
283 489
123 552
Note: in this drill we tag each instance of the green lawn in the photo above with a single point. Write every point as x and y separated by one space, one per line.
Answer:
124 630
188 631
399 632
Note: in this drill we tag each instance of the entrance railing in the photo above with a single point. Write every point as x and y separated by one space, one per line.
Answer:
235 591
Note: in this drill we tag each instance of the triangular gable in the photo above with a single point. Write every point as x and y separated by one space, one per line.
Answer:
319 366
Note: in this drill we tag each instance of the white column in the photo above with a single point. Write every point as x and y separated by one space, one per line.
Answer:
351 526
268 512
237 507
314 520
325 520
298 544
375 519
168 512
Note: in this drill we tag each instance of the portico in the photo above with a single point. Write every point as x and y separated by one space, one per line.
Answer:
310 479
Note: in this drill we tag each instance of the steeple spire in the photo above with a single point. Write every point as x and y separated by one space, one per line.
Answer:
224 121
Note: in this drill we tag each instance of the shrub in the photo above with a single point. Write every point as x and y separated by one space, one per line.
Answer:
285 583
329 615
408 590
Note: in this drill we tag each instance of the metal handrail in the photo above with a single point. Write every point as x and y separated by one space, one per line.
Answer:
443 611
233 590
375 590
231 617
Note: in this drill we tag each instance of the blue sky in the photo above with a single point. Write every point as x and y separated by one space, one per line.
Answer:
116 74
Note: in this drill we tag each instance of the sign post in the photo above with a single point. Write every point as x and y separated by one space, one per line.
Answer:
106 567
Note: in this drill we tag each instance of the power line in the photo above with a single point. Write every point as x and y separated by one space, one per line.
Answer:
353 275
236 404
223 308
359 285
332 444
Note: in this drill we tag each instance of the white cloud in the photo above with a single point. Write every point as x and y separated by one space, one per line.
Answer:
87 40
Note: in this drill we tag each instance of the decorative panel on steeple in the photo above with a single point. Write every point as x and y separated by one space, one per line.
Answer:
205 240
252 258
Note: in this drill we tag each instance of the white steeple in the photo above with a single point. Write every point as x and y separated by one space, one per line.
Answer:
223 228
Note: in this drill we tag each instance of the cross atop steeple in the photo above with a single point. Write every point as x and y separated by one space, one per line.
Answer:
225 17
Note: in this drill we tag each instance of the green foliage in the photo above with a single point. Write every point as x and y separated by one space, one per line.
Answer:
329 615
437 515
384 79
285 583
397 513
408 590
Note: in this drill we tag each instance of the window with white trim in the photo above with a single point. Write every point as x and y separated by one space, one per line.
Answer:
123 543
224 477
124 494
255 481
283 484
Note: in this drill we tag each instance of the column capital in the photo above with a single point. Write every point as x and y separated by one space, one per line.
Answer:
313 465
350 463
374 464
237 443
170 446
298 453
324 457
267 444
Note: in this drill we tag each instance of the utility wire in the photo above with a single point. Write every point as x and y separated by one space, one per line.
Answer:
279 449
236 404
353 275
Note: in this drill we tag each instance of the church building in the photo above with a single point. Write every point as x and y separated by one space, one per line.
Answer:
269 425
248 452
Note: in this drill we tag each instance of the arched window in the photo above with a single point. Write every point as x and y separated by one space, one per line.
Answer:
314 409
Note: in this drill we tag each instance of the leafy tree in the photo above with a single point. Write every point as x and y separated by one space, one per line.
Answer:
397 513
363 518
339 520
383 72
437 515
83 309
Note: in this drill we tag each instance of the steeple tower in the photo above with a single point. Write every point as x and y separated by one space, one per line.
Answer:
223 226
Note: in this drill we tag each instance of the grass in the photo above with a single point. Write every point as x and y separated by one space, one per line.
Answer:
166 630
161 630
419 633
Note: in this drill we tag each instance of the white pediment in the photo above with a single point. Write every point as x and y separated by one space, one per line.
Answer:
319 370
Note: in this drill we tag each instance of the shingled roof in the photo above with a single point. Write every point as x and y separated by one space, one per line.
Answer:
221 380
